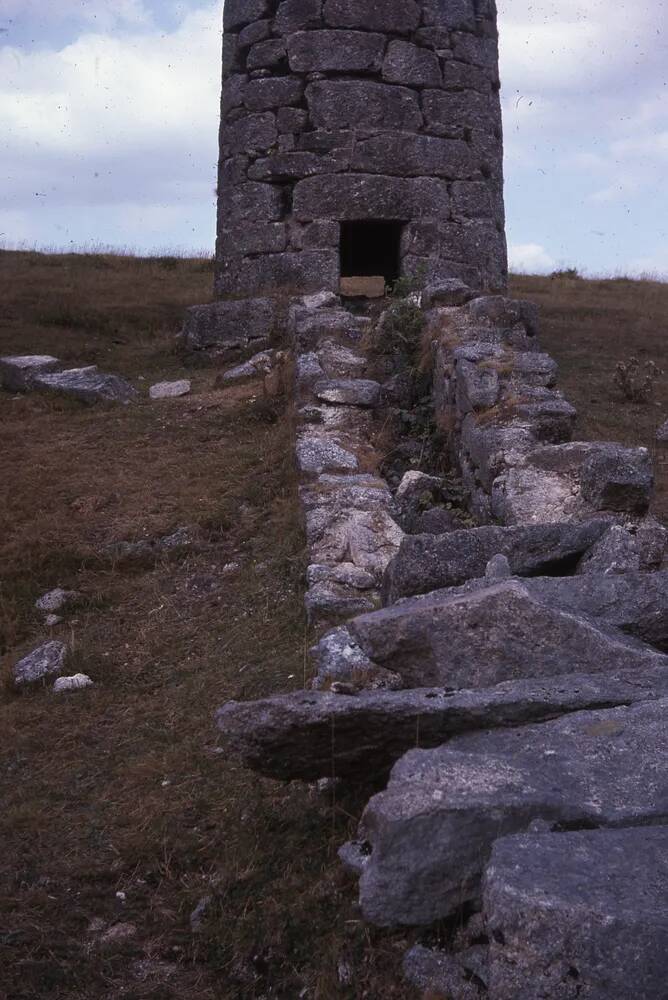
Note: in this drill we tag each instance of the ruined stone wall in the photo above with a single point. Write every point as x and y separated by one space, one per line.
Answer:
510 428
336 110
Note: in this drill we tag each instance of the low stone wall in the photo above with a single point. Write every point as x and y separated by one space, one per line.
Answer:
514 683
510 428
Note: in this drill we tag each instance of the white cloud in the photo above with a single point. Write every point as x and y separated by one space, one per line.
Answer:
530 258
103 13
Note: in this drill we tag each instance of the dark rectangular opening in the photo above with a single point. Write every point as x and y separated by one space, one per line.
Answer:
371 248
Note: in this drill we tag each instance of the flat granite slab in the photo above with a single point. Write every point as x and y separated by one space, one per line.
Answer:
424 842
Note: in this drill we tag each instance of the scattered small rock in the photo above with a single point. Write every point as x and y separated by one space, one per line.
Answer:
53 620
662 433
56 600
170 390
260 364
118 934
46 661
198 915
75 683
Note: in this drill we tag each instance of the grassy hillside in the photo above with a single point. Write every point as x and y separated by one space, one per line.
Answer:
121 789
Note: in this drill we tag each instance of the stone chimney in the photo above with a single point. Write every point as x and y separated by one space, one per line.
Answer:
359 138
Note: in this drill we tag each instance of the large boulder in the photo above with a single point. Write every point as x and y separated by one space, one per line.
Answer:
578 914
483 637
425 562
359 735
425 841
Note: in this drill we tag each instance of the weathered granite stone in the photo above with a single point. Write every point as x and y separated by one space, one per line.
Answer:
296 15
622 550
258 31
252 238
414 156
457 976
480 638
425 563
287 273
399 16
411 65
56 600
317 453
455 14
329 602
87 385
435 521
336 51
320 300
253 203
308 735
578 914
617 478
477 387
573 481
170 390
17 373
429 836
453 114
292 119
233 323
254 133
635 602
272 92
336 104
351 391
267 55
46 661
293 165
363 196
76 683
260 364
239 12
452 292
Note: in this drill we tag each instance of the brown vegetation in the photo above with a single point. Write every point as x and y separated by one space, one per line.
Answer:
121 789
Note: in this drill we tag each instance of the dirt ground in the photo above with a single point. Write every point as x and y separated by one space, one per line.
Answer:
119 813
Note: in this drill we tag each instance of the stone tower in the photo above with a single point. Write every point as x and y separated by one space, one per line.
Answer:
359 137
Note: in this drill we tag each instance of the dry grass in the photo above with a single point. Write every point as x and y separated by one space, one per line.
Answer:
122 788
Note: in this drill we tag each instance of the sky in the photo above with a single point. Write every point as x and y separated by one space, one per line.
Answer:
109 128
